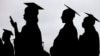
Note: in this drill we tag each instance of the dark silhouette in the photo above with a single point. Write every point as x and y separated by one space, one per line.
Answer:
89 41
8 49
99 47
28 42
1 47
66 42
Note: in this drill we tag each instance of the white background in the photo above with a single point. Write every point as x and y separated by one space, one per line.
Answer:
49 19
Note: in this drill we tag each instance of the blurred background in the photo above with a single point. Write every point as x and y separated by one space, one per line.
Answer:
50 18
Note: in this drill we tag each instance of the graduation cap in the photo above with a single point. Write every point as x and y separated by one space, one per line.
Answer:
70 9
33 5
8 32
92 17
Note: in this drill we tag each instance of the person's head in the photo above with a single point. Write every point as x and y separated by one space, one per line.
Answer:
30 14
31 11
68 15
89 21
6 35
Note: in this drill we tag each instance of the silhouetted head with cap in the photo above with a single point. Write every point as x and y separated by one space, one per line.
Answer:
31 11
6 35
68 15
89 21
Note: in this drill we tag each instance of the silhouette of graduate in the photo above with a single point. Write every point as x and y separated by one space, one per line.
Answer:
8 49
28 42
66 42
89 41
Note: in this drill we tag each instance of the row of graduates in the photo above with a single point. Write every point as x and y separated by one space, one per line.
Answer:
29 42
67 42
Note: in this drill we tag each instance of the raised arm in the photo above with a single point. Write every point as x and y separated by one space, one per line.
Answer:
14 25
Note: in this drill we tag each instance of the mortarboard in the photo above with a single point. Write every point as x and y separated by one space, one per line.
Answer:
92 17
33 5
70 9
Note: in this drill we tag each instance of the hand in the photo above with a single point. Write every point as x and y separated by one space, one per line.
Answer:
14 24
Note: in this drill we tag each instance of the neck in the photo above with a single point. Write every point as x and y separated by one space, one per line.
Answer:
89 28
33 20
31 24
69 23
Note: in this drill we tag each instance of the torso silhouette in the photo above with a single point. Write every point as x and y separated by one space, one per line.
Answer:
8 49
30 38
29 41
66 42
89 41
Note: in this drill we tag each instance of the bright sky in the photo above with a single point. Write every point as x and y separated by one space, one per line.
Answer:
49 19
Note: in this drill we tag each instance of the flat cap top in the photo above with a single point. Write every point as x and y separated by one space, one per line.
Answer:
70 9
92 17
34 5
